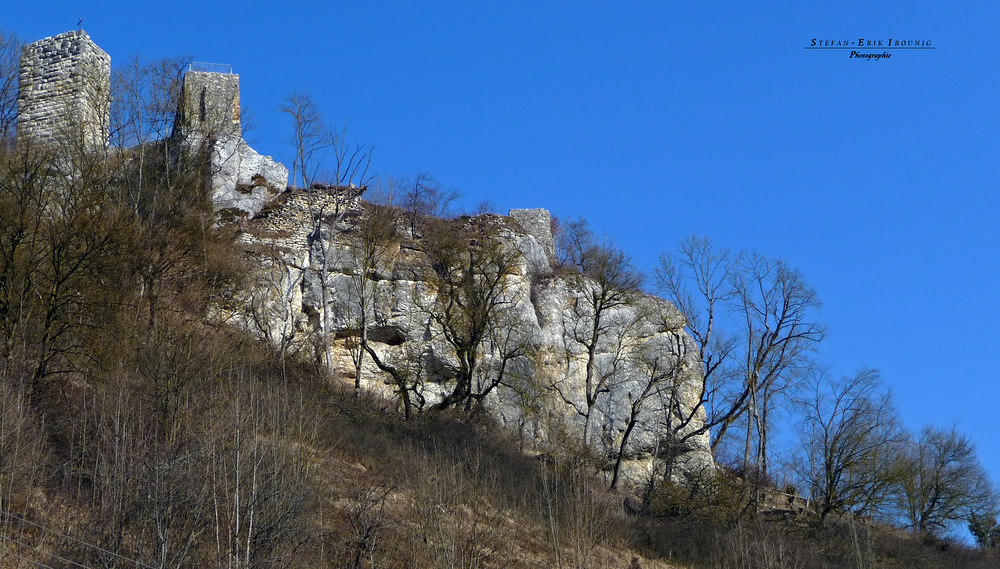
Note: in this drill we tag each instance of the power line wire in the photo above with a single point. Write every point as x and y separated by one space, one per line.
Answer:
36 550
39 564
73 539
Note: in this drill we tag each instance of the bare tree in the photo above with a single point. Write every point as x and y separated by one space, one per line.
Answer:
368 518
607 282
849 435
374 241
423 197
58 240
144 103
700 266
259 469
25 174
510 350
329 203
10 57
269 306
352 162
660 379
773 302
129 125
23 447
329 206
475 304
310 135
940 481
747 367
166 81
573 239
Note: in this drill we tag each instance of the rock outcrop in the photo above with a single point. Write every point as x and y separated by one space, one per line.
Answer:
538 224
630 393
243 180
544 393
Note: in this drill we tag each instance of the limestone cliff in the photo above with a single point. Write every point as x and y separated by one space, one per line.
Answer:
529 361
542 393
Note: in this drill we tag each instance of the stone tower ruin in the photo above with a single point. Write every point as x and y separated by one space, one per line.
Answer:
210 102
65 91
208 118
65 100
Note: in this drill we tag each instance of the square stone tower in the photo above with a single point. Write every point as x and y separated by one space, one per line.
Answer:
210 103
65 91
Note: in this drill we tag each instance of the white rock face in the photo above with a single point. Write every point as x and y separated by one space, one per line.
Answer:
544 390
242 179
537 223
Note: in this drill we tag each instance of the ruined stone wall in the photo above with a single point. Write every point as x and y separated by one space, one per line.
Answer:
210 104
65 90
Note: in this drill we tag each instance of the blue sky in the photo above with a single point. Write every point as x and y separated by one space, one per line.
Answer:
658 120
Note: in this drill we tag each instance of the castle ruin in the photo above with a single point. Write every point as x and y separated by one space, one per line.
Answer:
65 91
65 99
210 102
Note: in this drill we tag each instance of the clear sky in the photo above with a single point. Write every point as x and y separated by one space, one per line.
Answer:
658 120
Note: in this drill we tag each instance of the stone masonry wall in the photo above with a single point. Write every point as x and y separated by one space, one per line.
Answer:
210 104
65 91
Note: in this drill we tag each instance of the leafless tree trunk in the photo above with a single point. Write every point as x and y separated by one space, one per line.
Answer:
606 281
746 368
10 57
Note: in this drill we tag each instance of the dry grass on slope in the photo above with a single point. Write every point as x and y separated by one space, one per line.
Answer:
441 491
